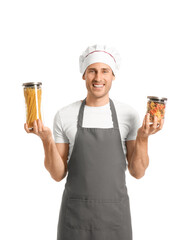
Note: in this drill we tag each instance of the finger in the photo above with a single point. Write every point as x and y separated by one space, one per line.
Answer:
154 125
39 124
43 126
161 124
159 127
26 128
144 125
35 130
147 119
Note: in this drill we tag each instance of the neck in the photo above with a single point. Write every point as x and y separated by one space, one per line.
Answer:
97 102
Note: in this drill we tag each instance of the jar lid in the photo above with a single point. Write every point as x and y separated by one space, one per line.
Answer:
157 99
31 84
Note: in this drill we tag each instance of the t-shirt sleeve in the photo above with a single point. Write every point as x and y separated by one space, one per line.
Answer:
58 132
134 126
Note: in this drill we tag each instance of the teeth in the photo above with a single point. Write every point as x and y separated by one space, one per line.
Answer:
98 86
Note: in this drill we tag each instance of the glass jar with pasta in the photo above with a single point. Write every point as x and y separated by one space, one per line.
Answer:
33 97
156 107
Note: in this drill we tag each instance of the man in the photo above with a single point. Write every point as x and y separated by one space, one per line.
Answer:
96 139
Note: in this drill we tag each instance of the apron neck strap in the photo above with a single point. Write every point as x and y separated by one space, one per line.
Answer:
112 107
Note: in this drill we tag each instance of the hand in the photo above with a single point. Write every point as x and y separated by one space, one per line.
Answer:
148 129
40 130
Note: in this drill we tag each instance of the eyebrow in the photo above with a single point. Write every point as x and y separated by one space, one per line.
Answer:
101 68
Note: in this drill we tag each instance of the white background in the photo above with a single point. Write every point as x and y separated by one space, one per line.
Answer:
42 41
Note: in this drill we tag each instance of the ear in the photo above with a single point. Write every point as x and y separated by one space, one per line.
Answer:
113 76
83 77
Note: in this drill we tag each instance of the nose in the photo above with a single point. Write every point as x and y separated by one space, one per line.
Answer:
98 76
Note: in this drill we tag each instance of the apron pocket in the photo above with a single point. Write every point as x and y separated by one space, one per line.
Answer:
93 214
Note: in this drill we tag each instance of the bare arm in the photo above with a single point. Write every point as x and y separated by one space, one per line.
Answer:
56 159
55 153
137 157
137 150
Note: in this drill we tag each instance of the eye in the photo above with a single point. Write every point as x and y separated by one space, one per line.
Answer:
91 71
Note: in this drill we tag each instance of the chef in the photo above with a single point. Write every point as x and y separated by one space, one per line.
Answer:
95 141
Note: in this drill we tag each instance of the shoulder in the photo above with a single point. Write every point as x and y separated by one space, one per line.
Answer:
67 112
125 110
70 108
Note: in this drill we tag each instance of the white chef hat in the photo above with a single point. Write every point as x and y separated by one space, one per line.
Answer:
99 53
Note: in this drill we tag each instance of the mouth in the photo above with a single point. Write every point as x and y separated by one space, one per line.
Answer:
98 85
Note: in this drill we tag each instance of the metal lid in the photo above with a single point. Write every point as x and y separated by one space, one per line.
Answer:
157 99
31 84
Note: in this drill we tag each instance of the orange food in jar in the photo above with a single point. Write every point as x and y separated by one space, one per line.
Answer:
33 97
156 107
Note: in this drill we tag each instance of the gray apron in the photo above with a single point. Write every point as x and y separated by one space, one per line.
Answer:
95 203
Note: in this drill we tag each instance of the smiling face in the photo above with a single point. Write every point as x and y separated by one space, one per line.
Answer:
98 77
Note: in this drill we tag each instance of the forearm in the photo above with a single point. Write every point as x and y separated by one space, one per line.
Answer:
53 161
140 159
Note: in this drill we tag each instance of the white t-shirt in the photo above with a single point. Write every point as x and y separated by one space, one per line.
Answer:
65 122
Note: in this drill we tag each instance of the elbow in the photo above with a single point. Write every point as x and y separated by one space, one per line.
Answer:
58 177
138 171
137 174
